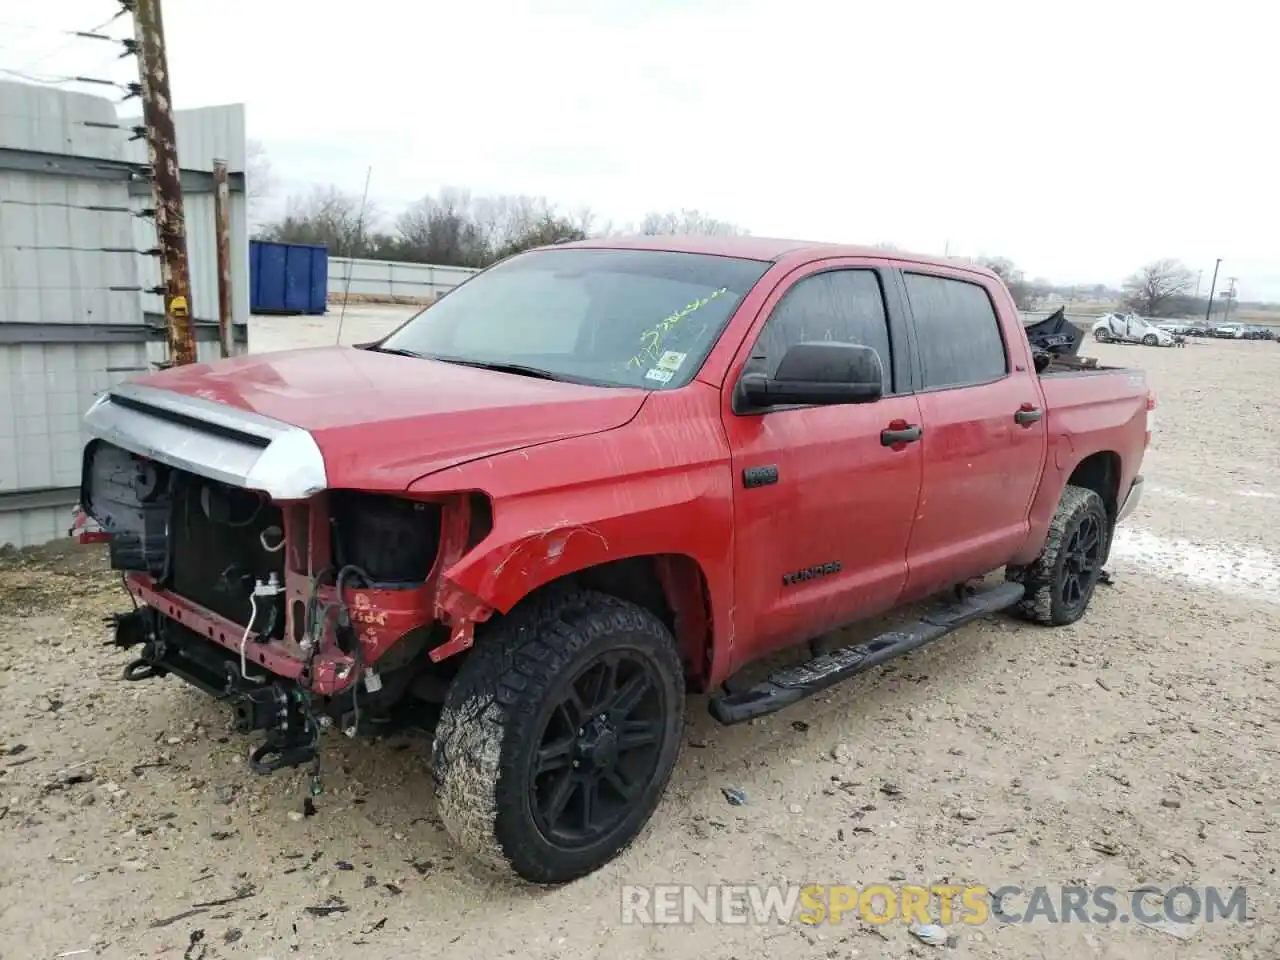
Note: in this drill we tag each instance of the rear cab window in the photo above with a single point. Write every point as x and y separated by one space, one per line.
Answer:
959 339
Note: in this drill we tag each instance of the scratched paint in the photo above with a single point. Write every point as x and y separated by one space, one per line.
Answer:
556 538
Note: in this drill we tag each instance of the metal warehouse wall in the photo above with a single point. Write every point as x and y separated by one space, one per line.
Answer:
204 135
65 333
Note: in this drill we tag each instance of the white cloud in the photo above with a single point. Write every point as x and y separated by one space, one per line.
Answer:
1079 139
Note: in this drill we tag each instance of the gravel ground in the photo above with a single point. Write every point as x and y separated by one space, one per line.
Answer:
1136 747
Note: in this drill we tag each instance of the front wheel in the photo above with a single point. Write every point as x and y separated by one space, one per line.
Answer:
558 736
1102 336
1060 582
1151 340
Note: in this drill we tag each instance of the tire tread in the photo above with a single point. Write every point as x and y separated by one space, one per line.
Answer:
492 706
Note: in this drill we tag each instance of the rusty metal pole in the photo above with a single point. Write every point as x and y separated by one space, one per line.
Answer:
222 228
162 149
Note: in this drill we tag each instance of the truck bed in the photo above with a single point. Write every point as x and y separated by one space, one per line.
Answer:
1075 366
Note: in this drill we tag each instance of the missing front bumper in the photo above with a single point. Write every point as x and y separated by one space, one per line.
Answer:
278 707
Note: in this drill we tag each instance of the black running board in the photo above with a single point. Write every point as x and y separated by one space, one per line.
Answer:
792 684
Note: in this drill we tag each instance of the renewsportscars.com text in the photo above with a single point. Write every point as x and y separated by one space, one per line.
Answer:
884 903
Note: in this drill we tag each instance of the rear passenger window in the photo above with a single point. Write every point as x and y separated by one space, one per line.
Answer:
846 306
960 341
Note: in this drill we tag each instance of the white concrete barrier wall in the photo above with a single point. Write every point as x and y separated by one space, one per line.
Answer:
392 280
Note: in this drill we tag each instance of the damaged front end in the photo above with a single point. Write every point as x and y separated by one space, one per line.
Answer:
301 607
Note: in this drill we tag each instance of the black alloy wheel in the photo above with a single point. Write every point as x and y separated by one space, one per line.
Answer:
600 744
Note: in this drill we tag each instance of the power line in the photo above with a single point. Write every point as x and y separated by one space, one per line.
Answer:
33 28
159 291
57 80
145 212
91 33
26 74
153 252
136 131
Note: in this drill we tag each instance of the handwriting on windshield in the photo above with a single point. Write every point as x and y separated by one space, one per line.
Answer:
651 340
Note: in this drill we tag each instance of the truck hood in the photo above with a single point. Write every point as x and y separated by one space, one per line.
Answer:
382 421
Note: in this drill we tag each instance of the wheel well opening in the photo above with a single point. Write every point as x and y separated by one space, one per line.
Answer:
670 586
1100 472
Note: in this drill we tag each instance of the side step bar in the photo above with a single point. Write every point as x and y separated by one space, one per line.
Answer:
792 684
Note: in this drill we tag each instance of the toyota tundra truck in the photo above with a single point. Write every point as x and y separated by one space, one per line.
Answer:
592 479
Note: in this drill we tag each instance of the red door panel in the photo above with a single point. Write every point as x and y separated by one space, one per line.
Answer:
840 498
981 470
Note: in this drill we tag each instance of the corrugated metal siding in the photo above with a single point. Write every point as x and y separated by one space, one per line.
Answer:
44 391
45 388
49 286
204 135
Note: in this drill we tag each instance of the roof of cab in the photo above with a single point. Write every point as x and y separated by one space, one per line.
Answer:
769 249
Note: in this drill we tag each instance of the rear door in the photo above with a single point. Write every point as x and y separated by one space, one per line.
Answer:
822 507
984 431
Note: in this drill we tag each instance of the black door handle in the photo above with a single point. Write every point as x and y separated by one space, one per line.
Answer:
1028 415
895 434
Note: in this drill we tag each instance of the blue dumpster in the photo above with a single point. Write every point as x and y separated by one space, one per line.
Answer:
287 278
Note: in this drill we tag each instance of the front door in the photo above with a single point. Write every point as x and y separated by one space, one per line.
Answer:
822 507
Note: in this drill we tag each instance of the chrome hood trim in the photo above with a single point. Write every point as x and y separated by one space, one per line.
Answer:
211 439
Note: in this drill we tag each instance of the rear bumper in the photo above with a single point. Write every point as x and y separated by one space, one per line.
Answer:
1132 500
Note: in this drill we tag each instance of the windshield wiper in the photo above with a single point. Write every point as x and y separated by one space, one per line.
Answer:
398 351
516 368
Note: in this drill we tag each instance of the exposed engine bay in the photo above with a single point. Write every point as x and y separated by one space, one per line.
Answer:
301 614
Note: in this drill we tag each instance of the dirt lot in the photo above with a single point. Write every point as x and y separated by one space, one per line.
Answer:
1137 747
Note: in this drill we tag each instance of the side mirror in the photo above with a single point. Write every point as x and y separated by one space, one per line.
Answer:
820 373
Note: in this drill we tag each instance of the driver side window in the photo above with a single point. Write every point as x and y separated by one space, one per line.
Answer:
845 306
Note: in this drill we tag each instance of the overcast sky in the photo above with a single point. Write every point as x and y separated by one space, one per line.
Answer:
1079 139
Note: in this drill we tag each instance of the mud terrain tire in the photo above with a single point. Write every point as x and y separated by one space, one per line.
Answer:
1061 581
529 696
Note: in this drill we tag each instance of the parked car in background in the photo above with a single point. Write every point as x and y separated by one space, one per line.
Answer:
1257 332
1229 331
1131 328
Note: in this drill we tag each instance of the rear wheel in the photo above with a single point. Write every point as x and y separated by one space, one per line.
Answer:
1061 581
558 736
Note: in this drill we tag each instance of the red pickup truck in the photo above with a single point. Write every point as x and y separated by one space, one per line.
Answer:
590 479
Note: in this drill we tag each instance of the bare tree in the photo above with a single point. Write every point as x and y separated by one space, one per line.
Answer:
455 228
443 230
259 179
326 216
1159 288
1023 293
548 229
688 222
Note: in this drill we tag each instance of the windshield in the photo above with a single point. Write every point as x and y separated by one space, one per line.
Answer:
633 318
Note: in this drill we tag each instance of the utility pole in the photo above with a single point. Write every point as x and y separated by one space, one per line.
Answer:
1231 293
162 151
222 233
1213 285
1199 277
